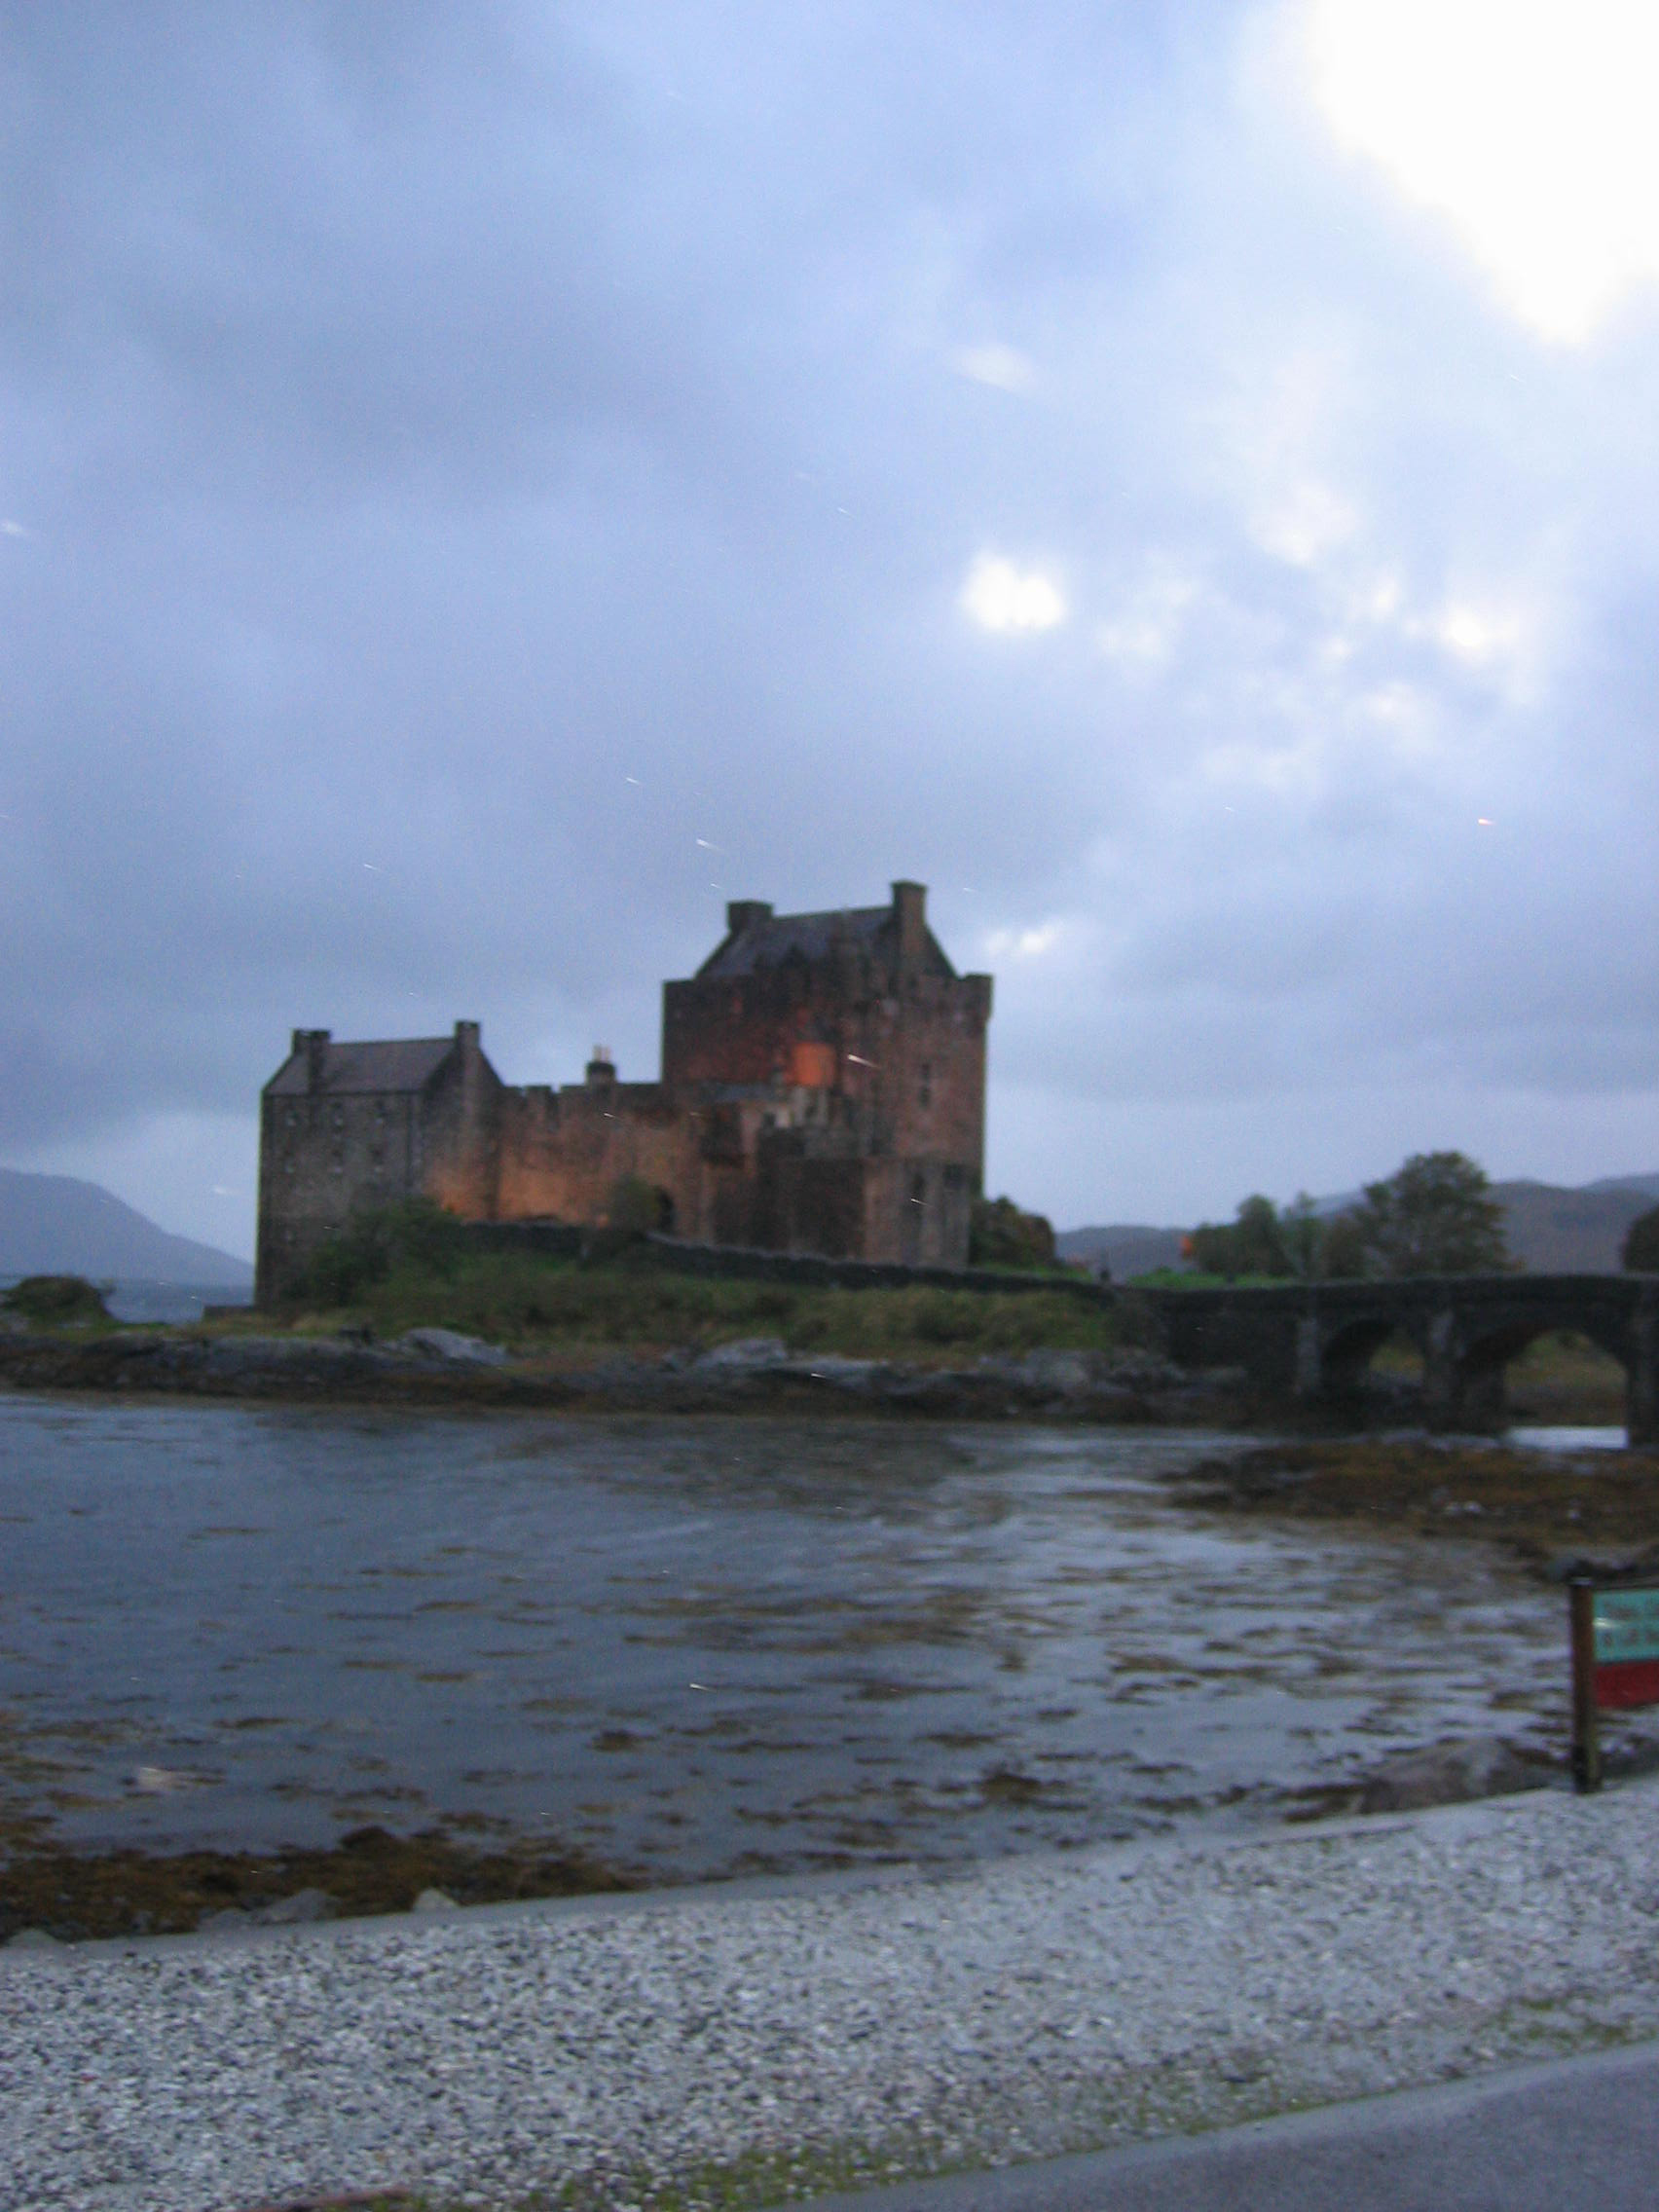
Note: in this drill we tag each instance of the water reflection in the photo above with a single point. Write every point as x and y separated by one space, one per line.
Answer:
700 1646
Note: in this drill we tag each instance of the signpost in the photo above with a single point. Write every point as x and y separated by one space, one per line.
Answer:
1615 1663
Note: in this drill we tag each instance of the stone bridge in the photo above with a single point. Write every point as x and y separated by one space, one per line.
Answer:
1307 1341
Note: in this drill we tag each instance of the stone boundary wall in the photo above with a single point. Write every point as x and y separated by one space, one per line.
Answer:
567 1241
552 1239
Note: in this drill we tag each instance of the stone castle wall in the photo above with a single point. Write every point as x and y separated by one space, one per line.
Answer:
830 1104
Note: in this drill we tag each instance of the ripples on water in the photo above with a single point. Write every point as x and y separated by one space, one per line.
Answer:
700 1646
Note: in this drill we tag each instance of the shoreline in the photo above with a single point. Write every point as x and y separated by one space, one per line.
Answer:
732 2048
1127 1388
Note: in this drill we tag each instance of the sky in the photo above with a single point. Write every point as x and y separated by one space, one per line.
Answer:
482 486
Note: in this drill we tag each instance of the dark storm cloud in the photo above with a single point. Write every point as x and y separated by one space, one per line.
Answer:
487 485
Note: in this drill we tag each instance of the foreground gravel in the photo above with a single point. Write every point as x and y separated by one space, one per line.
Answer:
744 2043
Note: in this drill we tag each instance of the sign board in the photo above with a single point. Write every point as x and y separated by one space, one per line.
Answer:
1615 1663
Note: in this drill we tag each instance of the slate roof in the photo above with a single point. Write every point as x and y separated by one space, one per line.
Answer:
402 1063
805 936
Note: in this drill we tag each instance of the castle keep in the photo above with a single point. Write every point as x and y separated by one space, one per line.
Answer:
823 1090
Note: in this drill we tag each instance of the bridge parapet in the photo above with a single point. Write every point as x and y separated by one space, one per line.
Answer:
1304 1342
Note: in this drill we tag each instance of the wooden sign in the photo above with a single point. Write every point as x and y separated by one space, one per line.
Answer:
1615 1663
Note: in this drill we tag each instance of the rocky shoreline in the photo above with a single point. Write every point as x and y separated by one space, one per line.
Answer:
438 1367
745 2044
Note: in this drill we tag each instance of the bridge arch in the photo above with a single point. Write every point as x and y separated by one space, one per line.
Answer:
1347 1351
1308 1341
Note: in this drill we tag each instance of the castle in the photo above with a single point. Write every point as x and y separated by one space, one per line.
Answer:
823 1090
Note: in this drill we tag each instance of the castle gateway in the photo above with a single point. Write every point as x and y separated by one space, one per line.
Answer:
823 1091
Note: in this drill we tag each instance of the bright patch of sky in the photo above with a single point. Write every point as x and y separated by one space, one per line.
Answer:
1023 944
998 595
1526 126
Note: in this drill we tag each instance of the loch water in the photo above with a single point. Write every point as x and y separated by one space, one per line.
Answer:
702 1646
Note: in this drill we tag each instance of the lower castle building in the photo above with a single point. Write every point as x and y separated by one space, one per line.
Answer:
823 1090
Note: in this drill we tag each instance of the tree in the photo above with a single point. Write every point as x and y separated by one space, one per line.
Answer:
1640 1253
1001 1235
1251 1244
1436 1215
1342 1247
1304 1235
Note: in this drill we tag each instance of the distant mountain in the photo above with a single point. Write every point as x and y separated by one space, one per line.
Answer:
1574 1232
1552 1230
1646 1186
59 1225
1127 1249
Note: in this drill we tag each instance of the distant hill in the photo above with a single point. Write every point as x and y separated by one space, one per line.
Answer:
1571 1233
1553 1230
1648 1186
1128 1249
59 1225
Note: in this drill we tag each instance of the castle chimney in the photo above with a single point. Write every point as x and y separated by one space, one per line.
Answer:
909 911
467 1035
602 1068
313 1043
744 913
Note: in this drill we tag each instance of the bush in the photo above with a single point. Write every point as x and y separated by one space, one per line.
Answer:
414 1234
1001 1235
1640 1253
51 1301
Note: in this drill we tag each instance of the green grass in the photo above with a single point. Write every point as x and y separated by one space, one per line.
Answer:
534 1303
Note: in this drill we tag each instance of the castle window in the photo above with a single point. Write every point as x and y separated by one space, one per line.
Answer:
337 1162
927 1082
288 1165
292 1119
339 1117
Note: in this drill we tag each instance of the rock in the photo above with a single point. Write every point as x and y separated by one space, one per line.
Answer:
747 1356
225 1921
163 1780
434 1900
33 1939
296 1910
836 1368
1043 1372
1447 1774
451 1346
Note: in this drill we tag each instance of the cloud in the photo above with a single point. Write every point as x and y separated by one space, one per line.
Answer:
1004 368
998 596
470 453
1143 631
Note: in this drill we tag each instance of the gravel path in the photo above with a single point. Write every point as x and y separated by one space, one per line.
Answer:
747 2041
